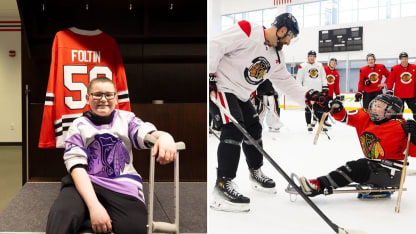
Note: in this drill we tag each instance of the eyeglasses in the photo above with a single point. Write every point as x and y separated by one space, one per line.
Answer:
108 96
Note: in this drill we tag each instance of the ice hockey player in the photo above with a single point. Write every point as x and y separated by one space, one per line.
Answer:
266 101
332 78
402 77
382 133
311 75
241 58
369 85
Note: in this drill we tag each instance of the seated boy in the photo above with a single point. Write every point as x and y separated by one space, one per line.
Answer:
103 183
383 137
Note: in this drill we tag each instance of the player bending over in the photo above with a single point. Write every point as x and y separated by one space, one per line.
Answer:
383 137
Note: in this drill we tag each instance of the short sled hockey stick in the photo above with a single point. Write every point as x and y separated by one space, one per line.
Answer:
321 125
406 155
334 227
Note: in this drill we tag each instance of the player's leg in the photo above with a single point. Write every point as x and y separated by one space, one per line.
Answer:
226 196
68 212
128 214
272 117
318 112
253 157
353 171
308 115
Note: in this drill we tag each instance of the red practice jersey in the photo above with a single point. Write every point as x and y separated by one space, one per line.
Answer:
78 56
332 78
375 74
403 80
384 141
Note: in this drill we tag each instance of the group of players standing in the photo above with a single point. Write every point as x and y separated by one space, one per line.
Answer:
246 56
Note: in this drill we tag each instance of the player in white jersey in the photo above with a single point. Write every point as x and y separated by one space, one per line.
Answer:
241 58
311 75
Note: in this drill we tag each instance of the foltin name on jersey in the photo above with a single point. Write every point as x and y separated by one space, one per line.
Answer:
83 56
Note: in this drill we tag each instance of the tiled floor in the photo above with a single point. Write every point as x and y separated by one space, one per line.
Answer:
10 173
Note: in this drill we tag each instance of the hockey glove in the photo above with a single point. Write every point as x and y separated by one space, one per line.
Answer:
336 106
317 97
265 88
367 82
410 127
212 83
358 96
390 92
340 97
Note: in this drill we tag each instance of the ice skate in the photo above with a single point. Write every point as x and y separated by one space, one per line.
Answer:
261 182
274 129
310 128
310 187
326 124
324 129
313 122
227 198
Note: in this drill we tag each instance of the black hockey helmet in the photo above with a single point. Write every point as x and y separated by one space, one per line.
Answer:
289 21
371 55
312 53
393 109
403 54
333 59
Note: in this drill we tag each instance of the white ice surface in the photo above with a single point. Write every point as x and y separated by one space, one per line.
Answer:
294 151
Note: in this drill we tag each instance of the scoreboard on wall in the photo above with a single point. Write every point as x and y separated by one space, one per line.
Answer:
343 39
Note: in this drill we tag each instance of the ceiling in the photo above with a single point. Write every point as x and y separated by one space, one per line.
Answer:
8 10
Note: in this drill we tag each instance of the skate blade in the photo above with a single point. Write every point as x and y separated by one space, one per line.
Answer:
227 206
260 188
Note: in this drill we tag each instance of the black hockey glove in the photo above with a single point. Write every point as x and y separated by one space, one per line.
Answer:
410 127
212 83
340 97
390 92
317 97
336 106
265 88
367 81
358 96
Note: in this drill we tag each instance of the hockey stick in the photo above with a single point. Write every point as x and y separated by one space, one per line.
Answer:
321 125
406 155
214 133
334 227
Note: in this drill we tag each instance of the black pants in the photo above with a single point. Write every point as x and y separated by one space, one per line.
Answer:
411 103
362 171
231 139
368 97
317 110
128 214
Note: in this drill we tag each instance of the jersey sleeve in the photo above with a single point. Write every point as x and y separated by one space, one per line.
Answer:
121 81
300 76
391 79
75 151
224 43
138 130
386 72
47 131
361 81
336 85
283 80
323 77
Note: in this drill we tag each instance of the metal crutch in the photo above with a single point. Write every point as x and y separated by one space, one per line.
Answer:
165 227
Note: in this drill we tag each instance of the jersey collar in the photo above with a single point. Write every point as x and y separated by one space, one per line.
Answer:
85 32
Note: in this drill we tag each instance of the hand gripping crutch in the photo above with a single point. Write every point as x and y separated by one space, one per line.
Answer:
164 227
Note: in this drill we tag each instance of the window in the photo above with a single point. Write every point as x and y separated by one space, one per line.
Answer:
255 17
268 16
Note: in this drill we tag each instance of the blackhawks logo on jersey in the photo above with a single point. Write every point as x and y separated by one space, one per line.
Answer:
313 73
371 146
255 73
330 79
373 76
406 77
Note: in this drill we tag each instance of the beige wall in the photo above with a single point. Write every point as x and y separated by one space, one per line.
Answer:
10 88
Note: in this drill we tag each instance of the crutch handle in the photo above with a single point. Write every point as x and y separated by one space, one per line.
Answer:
164 227
152 140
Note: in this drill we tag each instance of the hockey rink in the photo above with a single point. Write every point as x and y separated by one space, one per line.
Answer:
292 148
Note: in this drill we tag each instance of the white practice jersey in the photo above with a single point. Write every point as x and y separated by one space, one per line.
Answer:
312 76
107 150
241 61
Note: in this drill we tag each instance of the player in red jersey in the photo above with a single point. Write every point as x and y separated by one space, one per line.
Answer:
369 85
383 135
332 78
402 80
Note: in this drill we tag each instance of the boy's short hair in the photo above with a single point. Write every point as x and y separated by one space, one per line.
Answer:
102 79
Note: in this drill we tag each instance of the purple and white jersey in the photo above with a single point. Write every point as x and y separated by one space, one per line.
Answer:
107 150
